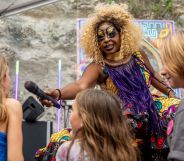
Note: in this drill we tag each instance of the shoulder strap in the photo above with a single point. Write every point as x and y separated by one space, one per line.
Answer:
138 57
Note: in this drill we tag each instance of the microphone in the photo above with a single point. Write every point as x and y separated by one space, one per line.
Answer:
33 88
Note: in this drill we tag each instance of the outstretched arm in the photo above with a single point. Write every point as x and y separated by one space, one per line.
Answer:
88 80
163 87
14 131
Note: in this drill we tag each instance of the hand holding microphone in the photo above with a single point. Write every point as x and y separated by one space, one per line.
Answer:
46 98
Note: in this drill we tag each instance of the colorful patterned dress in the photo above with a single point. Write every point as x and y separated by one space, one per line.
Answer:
148 115
48 153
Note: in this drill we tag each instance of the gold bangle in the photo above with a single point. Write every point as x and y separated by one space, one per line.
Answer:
59 97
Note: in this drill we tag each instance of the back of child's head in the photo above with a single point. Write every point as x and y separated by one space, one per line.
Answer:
104 133
172 53
102 106
3 71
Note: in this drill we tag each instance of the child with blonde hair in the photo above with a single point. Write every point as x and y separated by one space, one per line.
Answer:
100 130
172 56
10 118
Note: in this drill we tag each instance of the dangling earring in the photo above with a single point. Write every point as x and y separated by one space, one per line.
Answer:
81 125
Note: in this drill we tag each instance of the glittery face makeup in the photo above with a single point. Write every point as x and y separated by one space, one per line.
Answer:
109 38
110 32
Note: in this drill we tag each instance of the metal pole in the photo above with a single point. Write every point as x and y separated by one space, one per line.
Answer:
17 80
60 101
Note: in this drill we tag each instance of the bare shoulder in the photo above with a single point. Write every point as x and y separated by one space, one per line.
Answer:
145 58
13 106
90 76
147 62
143 54
94 66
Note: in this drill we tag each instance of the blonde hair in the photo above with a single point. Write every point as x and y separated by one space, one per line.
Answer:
3 71
105 135
122 19
172 53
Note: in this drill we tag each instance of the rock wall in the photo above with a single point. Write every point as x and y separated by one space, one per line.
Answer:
40 37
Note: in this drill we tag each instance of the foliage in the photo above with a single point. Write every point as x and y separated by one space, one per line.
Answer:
109 1
154 9
151 9
163 9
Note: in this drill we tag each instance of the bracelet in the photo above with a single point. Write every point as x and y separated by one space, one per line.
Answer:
59 97
169 91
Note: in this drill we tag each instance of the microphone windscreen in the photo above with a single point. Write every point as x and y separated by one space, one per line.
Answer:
30 86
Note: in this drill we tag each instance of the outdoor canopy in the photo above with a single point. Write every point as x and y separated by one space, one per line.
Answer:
11 7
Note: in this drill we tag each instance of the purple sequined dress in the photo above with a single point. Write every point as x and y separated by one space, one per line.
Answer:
133 90
138 102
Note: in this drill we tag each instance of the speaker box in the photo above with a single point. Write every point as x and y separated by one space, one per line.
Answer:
32 109
36 135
